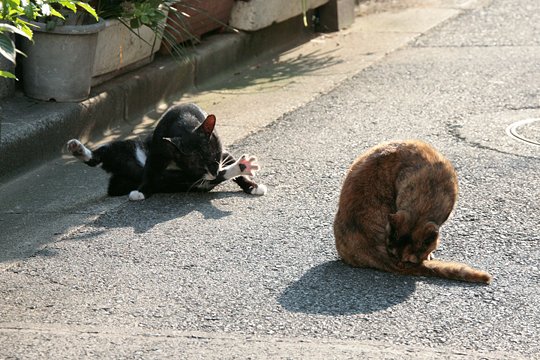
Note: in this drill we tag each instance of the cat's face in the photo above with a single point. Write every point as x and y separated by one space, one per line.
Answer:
411 243
200 155
199 152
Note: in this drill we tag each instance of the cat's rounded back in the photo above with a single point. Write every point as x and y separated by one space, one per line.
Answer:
367 197
369 193
373 174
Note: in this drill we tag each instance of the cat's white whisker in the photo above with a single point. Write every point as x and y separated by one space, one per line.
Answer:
195 184
220 164
205 185
200 184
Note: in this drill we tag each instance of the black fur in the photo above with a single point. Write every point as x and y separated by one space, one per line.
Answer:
185 139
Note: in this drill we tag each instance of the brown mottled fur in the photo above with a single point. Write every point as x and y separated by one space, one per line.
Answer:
393 201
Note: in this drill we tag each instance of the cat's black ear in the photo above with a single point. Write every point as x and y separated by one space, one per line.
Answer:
208 125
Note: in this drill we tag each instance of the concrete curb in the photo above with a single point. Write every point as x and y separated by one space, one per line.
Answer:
33 132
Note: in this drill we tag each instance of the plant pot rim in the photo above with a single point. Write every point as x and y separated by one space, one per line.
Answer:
70 29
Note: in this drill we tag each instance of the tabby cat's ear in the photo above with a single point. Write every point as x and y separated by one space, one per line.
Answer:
400 221
431 231
207 127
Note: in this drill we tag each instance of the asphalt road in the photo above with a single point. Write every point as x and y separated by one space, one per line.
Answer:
205 274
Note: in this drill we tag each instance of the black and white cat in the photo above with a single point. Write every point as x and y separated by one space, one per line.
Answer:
184 153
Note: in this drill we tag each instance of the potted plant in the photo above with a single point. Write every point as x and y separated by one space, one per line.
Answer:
132 35
59 61
13 20
136 29
127 33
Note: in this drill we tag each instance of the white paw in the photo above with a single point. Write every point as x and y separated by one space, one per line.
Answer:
77 149
248 165
136 195
74 145
259 190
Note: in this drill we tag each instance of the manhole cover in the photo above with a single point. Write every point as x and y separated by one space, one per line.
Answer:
513 132
527 130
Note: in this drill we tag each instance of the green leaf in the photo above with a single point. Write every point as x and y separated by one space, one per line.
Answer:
25 28
30 12
14 29
57 14
20 53
134 23
8 75
88 9
304 13
69 4
7 47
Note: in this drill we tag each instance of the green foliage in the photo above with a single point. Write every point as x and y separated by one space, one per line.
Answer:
7 45
135 13
7 74
146 13
15 17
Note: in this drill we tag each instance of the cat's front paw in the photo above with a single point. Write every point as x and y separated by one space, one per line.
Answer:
248 165
136 195
77 149
259 190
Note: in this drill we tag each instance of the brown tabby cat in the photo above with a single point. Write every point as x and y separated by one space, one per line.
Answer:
393 201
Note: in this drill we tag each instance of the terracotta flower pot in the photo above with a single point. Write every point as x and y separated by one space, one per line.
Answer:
194 18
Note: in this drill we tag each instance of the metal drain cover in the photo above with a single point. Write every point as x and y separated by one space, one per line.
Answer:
527 130
514 132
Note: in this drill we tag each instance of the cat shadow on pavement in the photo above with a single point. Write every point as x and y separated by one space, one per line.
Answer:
334 288
144 215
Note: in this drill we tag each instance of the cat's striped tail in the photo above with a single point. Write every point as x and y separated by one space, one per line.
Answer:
450 270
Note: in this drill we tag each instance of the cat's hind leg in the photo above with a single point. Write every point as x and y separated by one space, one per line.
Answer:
153 168
81 152
77 149
119 185
123 159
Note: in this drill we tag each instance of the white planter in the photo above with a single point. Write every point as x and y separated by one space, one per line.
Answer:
58 63
120 50
258 14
